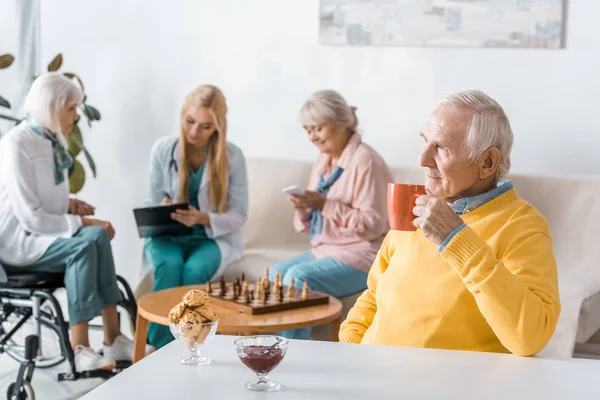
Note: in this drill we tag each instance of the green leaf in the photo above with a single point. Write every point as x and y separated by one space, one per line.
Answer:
69 75
75 140
86 112
6 60
94 113
56 63
90 160
4 102
76 177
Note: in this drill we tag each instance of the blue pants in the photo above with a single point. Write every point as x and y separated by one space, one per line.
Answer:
325 275
87 262
179 261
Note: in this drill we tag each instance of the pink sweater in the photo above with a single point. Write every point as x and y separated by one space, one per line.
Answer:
355 213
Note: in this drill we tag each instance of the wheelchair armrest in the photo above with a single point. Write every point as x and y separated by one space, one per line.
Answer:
3 276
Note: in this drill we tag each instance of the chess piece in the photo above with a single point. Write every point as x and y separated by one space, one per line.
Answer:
280 285
292 282
209 288
266 273
243 277
223 287
281 295
244 288
247 296
305 290
238 282
291 292
261 293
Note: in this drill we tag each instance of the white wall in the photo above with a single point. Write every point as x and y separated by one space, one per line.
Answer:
138 60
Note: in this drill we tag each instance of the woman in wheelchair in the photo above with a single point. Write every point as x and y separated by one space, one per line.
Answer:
43 230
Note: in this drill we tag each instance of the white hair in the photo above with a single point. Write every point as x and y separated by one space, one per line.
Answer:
328 107
48 95
489 126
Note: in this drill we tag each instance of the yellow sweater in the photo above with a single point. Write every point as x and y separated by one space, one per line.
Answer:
492 288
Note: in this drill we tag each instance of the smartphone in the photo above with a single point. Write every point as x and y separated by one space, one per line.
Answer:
294 190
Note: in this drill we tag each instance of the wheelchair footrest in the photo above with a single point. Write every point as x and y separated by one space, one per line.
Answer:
104 374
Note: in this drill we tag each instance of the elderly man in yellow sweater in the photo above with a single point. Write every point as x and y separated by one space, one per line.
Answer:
479 273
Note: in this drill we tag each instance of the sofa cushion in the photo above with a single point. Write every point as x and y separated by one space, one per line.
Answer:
589 318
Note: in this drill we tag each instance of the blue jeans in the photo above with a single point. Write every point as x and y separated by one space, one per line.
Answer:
325 275
90 278
179 261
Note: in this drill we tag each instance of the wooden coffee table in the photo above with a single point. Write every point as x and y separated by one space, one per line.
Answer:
155 307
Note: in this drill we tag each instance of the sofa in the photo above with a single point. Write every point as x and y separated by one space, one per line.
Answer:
569 204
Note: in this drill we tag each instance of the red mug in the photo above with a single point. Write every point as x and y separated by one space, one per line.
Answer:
400 203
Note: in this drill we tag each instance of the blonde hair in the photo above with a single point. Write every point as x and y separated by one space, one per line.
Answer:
328 107
489 126
49 93
211 98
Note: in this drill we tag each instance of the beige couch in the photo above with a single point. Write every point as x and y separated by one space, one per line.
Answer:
569 204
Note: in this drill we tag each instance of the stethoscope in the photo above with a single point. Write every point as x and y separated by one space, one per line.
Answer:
173 163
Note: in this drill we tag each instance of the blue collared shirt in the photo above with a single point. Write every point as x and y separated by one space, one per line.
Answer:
468 204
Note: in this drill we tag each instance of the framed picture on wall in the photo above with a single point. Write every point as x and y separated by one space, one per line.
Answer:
459 23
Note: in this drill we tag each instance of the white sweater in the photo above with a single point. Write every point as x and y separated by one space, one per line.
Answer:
33 209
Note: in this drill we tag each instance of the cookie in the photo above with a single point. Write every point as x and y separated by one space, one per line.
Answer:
176 313
190 323
190 341
207 312
195 298
203 334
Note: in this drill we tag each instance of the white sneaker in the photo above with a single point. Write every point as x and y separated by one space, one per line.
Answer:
87 359
122 349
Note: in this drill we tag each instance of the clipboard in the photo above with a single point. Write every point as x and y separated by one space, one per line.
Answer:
156 221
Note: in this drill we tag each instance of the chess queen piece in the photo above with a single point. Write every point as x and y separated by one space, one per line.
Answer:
305 290
291 294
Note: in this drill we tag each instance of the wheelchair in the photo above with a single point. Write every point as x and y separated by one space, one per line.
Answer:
30 296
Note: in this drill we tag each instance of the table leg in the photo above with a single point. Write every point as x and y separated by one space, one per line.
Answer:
141 335
335 329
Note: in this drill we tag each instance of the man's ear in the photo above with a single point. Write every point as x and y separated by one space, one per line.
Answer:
490 160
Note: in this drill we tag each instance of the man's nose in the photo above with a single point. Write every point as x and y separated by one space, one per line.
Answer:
426 157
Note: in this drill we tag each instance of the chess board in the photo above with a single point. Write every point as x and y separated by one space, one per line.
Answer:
272 302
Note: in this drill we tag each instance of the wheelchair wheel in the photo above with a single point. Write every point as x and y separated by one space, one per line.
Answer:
25 393
53 352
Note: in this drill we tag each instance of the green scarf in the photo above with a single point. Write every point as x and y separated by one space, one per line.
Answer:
62 159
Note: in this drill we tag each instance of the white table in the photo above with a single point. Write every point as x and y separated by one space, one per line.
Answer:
326 370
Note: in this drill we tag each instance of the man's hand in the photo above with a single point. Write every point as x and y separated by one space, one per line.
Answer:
310 200
435 218
103 224
81 208
191 217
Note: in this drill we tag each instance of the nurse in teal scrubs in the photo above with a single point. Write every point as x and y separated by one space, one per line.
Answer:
201 168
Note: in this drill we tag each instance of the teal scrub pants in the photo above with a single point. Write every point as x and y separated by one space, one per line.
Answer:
179 261
90 278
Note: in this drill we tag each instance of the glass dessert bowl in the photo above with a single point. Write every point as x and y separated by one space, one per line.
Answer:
262 354
194 336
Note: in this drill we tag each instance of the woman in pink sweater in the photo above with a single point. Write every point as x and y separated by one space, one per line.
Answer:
343 209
